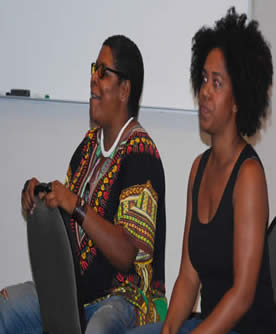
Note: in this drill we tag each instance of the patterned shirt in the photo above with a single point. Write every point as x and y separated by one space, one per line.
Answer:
127 190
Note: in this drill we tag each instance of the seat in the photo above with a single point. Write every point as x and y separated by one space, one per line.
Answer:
271 235
55 270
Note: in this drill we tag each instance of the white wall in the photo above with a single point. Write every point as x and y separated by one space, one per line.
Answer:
33 133
48 46
37 139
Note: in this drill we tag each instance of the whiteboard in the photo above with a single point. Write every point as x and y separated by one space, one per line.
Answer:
48 46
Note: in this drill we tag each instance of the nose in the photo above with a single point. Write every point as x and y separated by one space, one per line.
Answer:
205 90
94 79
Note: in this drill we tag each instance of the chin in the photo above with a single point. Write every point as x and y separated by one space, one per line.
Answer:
204 127
93 117
95 121
202 124
92 123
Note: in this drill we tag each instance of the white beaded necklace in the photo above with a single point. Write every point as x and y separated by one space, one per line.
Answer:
105 153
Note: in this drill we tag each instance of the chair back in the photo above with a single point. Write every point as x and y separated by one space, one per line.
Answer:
272 253
54 271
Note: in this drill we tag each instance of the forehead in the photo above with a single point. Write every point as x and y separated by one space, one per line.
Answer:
215 62
105 56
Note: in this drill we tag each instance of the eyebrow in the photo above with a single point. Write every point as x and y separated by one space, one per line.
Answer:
218 74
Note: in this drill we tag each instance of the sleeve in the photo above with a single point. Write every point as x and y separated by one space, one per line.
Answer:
137 214
141 191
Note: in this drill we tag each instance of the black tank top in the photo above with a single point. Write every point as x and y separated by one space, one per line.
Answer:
211 254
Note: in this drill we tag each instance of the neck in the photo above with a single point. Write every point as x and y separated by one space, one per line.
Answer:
224 151
111 137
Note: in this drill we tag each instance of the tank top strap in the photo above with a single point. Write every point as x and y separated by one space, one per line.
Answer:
247 153
199 174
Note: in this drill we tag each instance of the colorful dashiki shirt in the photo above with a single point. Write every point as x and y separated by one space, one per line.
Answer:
129 190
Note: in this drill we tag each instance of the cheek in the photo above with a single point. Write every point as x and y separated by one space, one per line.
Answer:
110 95
227 105
105 92
200 94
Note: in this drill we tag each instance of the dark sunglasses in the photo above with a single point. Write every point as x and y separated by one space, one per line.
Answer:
101 69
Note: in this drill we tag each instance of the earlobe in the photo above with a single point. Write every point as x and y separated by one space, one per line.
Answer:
235 109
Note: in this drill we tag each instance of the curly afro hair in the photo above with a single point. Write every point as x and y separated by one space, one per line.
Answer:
248 62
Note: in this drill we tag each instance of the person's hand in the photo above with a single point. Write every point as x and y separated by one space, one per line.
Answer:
165 330
60 196
27 195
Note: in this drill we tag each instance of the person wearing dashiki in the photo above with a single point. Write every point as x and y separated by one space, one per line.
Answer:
115 196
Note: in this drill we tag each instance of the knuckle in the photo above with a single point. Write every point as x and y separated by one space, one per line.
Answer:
4 293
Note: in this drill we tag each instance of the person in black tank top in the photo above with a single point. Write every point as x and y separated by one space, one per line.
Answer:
225 247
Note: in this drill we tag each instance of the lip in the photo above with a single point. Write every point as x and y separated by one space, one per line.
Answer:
204 112
203 108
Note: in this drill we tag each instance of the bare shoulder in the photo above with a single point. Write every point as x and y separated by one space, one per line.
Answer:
251 188
251 171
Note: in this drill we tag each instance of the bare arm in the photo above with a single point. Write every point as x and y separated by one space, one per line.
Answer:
250 204
109 238
187 284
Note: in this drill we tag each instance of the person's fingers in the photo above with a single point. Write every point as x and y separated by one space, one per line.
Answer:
26 201
27 195
4 293
25 186
51 201
31 211
41 195
31 188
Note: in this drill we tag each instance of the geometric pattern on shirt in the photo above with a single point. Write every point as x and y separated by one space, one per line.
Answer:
137 214
138 142
138 291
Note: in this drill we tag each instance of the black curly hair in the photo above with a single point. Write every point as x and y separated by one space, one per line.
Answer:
248 62
128 59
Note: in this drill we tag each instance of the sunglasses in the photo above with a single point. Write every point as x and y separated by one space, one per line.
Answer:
101 69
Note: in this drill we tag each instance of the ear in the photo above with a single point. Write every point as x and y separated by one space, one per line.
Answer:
235 108
125 90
